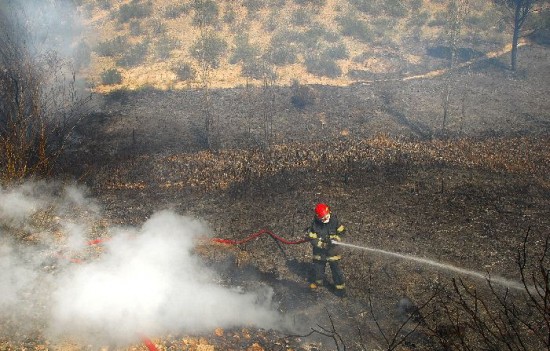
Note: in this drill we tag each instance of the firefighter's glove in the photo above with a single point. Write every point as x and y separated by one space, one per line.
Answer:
322 244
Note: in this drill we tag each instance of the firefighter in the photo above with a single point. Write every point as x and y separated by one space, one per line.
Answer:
324 229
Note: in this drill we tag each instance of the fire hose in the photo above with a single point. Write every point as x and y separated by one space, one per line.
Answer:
255 235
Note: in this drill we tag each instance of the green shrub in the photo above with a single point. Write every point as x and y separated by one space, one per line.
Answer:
416 5
395 8
135 28
255 69
354 27
316 3
164 47
112 47
209 49
439 20
272 21
230 15
134 9
336 52
157 26
134 55
322 66
243 50
104 4
206 12
282 49
301 18
111 76
253 6
419 19
382 28
368 7
282 55
176 10
184 71
277 4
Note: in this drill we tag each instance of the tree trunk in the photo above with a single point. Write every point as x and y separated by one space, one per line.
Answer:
515 38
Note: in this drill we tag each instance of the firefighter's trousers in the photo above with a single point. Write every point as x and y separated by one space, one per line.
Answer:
319 267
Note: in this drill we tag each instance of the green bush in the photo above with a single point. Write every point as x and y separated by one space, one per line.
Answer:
368 7
322 66
157 26
135 28
282 55
336 52
272 21
176 10
209 49
255 69
395 8
316 3
134 55
230 15
253 6
276 4
206 12
439 20
104 4
416 5
112 47
283 49
111 76
419 19
243 50
354 27
134 9
164 47
184 71
301 18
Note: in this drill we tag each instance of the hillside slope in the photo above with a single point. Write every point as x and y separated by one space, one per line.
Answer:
162 44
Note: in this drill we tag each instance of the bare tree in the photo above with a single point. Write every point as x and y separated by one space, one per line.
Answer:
458 9
39 103
500 319
519 11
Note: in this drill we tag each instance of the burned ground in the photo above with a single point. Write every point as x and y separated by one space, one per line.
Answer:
463 195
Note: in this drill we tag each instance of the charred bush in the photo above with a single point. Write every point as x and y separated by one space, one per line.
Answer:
302 95
39 104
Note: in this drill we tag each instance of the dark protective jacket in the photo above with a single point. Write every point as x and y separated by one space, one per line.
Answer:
321 234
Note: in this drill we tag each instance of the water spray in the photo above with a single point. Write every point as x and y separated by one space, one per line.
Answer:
494 279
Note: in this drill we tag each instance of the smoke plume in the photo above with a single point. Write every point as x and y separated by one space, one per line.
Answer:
147 280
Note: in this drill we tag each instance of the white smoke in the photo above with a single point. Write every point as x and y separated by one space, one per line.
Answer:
147 281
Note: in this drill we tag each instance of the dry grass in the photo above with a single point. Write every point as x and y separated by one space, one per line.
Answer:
388 53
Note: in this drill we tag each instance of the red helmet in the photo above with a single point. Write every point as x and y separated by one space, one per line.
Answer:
321 210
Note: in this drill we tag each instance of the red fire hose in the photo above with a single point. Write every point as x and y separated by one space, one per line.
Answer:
255 235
